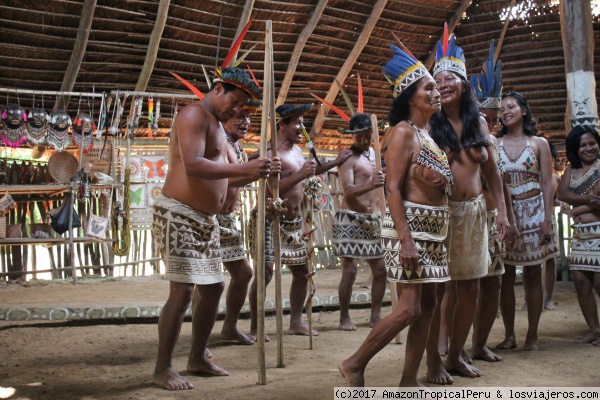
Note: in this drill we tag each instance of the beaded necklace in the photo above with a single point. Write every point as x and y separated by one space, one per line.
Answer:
431 156
366 154
13 137
587 182
241 155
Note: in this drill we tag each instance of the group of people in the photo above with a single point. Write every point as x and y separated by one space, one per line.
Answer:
463 210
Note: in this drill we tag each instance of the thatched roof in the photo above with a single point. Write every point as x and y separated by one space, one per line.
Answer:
37 39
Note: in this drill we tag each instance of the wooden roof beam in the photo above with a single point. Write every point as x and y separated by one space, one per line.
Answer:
83 33
248 7
452 24
362 41
295 58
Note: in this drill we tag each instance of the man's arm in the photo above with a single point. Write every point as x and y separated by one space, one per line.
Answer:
346 173
339 160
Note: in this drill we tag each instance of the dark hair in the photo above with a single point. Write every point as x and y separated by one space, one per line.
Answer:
400 110
553 151
359 121
529 125
472 134
227 87
573 142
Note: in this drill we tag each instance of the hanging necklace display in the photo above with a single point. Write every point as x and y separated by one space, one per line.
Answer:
13 130
104 110
37 124
58 129
150 115
134 123
156 118
82 132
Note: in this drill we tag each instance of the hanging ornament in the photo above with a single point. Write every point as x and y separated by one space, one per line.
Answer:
82 132
156 118
150 115
13 130
58 129
37 126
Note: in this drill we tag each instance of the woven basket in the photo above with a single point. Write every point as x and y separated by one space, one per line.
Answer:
63 166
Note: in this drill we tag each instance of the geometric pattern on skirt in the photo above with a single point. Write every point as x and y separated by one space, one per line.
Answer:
495 247
293 246
529 215
188 242
232 245
585 247
357 235
428 227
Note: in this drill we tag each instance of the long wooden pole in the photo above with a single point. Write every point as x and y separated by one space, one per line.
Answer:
260 230
310 261
381 196
274 183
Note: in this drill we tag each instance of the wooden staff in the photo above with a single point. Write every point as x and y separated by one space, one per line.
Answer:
381 195
260 220
310 269
274 185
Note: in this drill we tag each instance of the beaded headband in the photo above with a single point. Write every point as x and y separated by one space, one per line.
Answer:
449 57
403 69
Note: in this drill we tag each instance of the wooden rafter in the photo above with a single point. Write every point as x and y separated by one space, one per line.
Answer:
503 34
153 45
83 33
452 24
362 41
248 7
295 58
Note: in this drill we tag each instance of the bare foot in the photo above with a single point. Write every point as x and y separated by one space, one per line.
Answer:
207 353
300 330
486 354
466 357
374 320
462 368
206 367
171 380
253 336
531 343
438 375
589 337
507 344
346 325
549 305
353 378
237 336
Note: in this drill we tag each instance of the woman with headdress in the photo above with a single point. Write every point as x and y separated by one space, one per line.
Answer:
418 179
460 130
527 160
580 189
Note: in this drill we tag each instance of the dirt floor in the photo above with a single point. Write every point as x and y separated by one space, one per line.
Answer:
115 361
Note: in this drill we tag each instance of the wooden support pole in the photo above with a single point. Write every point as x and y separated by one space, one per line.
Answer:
153 45
503 33
381 198
83 33
260 220
578 44
362 41
248 7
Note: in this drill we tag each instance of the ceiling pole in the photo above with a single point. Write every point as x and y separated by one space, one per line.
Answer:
503 34
153 46
452 24
578 45
302 39
85 26
362 41
248 7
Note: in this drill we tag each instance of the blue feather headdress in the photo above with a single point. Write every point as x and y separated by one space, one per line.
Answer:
449 57
403 69
487 86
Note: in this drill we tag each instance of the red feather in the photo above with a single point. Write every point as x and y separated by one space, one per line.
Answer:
445 42
193 88
339 112
236 45
360 107
253 77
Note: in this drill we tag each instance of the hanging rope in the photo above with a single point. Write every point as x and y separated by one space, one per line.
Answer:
122 241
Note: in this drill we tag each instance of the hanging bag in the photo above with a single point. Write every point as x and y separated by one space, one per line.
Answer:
59 217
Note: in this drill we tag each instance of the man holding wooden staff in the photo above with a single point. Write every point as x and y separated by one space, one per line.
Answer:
357 224
185 228
294 170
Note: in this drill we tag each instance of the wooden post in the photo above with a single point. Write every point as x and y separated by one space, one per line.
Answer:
260 220
310 283
248 7
274 183
381 196
578 45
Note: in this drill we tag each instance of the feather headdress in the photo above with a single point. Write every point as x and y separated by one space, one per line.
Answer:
287 110
403 69
449 57
230 74
351 109
487 86
252 105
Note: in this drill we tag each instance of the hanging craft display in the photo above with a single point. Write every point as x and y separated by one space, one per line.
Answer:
37 126
137 196
154 167
83 127
13 130
150 116
58 129
96 227
135 167
153 191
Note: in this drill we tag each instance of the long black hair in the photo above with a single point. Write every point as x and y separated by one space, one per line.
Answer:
400 110
573 142
472 134
529 124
